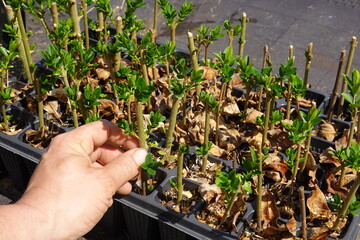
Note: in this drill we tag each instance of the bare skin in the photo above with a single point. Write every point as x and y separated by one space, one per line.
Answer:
74 183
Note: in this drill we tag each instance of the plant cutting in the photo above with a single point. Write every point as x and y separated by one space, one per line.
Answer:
174 17
121 78
231 184
5 90
351 157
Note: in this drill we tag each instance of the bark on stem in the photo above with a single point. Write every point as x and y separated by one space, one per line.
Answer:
75 18
206 136
346 202
86 24
55 15
353 45
155 23
266 49
303 213
119 28
335 92
194 60
172 124
243 35
309 57
22 53
179 184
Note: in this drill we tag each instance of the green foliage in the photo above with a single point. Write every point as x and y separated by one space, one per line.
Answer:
232 30
298 88
104 6
91 97
37 8
129 128
353 83
6 95
155 119
166 51
291 154
354 206
248 72
352 156
207 35
226 57
183 149
203 149
287 69
143 91
153 144
181 68
173 183
72 93
228 182
180 85
6 56
276 117
226 73
124 92
174 17
92 117
63 32
299 129
252 165
131 24
209 99
231 182
150 165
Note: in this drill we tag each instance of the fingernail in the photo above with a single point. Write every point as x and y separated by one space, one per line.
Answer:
139 156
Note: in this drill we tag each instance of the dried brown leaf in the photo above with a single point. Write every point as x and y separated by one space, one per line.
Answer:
326 131
102 73
291 225
236 81
326 157
317 205
332 186
318 233
252 114
230 108
269 210
216 151
51 107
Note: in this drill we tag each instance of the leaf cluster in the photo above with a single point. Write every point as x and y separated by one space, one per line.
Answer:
291 154
209 99
208 35
143 91
299 129
155 119
150 165
173 16
7 55
353 83
129 128
354 206
204 149
232 30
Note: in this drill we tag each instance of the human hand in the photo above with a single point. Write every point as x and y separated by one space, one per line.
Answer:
74 183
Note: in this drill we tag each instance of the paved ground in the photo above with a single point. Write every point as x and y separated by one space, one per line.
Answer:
328 24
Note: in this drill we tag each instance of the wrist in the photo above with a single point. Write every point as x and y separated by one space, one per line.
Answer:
23 221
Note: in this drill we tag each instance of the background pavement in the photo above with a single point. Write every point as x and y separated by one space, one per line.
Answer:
328 24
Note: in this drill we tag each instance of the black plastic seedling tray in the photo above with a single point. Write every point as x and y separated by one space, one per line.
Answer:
160 222
317 96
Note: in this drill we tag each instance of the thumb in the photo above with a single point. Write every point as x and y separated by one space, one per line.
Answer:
125 167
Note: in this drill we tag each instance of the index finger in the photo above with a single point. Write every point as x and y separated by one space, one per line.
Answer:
93 135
